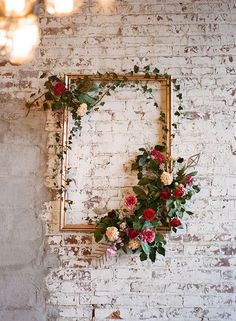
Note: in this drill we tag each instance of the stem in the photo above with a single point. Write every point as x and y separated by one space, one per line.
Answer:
31 104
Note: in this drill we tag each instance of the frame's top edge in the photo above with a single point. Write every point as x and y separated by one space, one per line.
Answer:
121 77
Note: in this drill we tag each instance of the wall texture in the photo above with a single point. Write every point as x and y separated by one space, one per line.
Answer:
51 277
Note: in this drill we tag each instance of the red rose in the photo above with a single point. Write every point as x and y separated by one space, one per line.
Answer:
132 234
158 156
178 193
175 222
165 194
59 88
149 214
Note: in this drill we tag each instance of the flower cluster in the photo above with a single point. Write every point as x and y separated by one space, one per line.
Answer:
158 202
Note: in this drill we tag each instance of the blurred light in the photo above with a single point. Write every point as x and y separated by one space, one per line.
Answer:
3 35
16 8
106 4
23 38
61 7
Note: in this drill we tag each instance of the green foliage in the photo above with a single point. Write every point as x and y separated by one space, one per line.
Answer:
84 95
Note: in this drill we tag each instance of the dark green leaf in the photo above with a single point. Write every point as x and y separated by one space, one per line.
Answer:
139 191
193 173
43 75
136 69
144 181
189 212
161 250
137 225
153 164
159 237
45 106
49 96
98 235
140 175
143 256
160 148
56 105
153 255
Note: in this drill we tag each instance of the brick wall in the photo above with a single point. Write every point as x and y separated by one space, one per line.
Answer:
195 42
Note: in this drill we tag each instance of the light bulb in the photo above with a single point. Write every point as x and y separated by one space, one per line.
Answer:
23 40
61 7
16 8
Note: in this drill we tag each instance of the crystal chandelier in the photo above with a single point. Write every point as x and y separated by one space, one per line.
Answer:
19 27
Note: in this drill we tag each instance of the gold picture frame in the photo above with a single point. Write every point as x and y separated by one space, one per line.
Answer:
165 81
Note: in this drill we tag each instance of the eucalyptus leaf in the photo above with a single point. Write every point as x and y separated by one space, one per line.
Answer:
145 247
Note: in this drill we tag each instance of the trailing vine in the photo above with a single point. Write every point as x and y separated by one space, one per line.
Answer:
84 95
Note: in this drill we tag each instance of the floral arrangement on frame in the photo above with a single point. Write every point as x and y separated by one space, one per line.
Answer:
165 184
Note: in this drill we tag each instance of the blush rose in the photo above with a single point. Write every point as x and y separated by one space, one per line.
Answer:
148 235
130 201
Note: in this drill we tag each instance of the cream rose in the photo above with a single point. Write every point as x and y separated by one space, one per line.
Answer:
122 226
134 244
112 233
82 110
166 178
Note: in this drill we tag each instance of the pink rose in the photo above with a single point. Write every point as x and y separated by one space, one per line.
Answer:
59 88
158 156
148 235
110 252
175 222
130 201
178 193
149 214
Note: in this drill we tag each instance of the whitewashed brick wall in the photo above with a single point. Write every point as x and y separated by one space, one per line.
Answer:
195 42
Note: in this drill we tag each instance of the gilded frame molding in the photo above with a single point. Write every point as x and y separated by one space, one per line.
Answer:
166 80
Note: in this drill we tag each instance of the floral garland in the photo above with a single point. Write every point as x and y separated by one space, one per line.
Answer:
164 185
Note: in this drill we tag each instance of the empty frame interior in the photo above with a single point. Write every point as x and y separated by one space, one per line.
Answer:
102 153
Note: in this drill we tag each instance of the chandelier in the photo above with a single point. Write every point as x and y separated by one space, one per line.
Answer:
19 26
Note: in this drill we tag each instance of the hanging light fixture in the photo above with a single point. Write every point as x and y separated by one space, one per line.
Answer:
23 39
16 8
19 30
61 7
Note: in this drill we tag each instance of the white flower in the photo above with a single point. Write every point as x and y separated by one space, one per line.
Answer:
166 178
112 233
122 226
82 110
162 167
